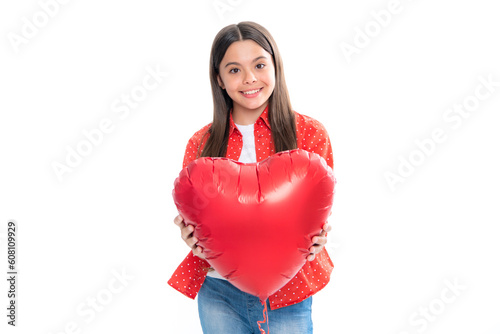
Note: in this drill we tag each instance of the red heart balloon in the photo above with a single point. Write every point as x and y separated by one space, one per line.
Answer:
255 221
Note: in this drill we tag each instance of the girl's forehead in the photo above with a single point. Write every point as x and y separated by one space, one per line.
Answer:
244 51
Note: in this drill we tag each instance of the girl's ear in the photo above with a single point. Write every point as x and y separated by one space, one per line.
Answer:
221 84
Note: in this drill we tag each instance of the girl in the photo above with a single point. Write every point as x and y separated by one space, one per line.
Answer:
252 120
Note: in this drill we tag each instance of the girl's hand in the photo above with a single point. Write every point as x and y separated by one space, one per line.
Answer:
319 242
188 237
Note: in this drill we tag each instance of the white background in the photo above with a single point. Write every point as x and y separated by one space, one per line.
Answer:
393 249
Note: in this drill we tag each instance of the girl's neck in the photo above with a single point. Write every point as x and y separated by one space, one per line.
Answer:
247 116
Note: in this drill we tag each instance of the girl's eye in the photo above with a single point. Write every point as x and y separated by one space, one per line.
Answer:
233 70
261 66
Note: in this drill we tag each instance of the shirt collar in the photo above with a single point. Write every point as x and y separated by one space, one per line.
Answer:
264 116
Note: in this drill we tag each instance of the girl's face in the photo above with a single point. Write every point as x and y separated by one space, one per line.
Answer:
247 74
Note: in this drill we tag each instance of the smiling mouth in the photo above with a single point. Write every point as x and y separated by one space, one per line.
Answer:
250 92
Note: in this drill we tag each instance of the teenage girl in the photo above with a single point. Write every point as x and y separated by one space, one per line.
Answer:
252 120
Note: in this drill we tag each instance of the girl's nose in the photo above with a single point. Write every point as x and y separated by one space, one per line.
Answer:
250 77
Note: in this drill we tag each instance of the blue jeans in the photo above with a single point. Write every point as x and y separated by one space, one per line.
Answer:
225 309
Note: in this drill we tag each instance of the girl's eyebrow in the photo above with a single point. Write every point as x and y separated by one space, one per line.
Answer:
253 61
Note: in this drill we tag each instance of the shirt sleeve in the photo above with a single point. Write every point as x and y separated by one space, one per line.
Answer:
313 137
323 146
192 146
190 152
200 265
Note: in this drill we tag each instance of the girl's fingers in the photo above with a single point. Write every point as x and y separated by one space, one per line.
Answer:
191 242
188 237
198 251
186 232
319 240
316 249
326 227
319 244
179 221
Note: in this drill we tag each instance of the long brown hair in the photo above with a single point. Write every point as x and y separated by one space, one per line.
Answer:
281 115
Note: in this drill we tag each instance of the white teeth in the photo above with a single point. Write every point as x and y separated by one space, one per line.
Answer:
251 92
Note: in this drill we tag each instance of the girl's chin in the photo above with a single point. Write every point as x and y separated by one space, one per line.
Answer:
252 103
251 107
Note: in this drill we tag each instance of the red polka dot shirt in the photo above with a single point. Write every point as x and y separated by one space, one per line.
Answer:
314 275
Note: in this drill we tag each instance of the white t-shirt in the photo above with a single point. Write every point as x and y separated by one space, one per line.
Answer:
248 155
